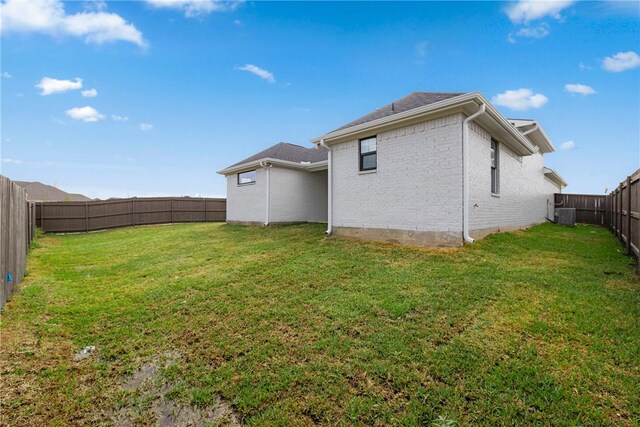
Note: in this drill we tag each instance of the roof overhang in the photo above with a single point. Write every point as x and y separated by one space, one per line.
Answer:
493 121
555 177
306 166
535 133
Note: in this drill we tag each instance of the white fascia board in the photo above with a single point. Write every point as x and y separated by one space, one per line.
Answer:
525 146
275 162
545 144
555 177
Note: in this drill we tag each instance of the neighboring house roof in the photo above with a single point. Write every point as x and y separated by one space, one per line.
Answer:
39 192
409 102
555 177
284 154
467 103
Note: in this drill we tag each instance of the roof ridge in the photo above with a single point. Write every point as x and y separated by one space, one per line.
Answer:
408 102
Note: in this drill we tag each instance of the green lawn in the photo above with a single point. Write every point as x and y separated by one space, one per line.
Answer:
291 328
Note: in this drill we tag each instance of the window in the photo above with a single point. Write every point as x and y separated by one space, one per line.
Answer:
248 177
368 154
495 167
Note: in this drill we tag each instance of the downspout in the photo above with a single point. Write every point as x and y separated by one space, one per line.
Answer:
267 167
534 128
465 172
329 187
527 132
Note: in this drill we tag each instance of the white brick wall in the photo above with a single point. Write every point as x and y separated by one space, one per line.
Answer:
298 195
247 202
417 185
295 196
524 190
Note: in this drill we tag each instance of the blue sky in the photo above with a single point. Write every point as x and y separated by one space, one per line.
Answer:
185 88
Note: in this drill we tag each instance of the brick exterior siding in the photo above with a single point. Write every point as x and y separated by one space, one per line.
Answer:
524 190
417 184
295 196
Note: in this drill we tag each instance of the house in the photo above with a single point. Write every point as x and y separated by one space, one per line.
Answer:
283 184
39 192
432 168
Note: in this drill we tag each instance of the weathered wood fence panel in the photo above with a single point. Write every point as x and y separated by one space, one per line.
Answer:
17 229
70 217
619 211
590 209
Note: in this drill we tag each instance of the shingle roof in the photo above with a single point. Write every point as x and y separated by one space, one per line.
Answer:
37 191
288 152
409 102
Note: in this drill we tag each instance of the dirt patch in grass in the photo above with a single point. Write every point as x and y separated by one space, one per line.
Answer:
144 399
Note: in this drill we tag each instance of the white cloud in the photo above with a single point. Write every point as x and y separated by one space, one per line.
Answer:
238 22
621 61
49 17
579 88
118 118
95 5
568 145
14 161
584 66
421 48
520 99
6 75
49 85
86 114
89 93
538 32
145 127
193 8
263 74
531 10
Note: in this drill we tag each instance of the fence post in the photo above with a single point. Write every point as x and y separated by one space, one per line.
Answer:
205 209
621 197
42 215
628 219
86 216
172 210
133 212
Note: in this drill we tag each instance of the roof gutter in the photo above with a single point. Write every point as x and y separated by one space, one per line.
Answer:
523 142
274 162
465 172
321 143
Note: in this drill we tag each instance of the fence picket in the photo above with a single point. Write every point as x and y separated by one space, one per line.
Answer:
16 229
69 217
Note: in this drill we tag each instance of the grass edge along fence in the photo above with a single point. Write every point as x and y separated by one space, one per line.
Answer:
619 211
73 217
17 230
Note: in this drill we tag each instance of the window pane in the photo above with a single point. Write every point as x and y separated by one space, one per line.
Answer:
369 161
367 145
247 177
494 181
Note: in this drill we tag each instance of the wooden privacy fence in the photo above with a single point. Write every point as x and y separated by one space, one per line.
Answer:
17 229
619 211
624 204
590 209
69 217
